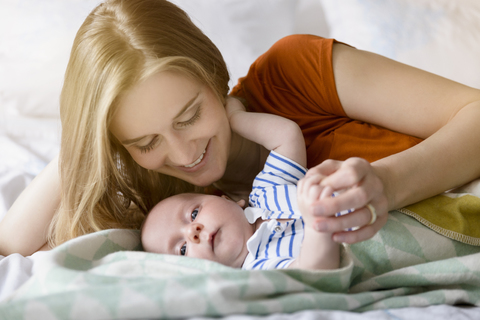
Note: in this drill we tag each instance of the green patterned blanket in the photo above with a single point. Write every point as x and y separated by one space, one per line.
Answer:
105 276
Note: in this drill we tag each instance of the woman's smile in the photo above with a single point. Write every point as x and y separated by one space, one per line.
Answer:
196 161
198 164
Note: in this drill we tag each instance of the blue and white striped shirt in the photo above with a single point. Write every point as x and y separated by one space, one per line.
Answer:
274 196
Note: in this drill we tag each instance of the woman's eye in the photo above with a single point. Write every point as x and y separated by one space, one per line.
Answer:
194 214
192 120
183 249
148 147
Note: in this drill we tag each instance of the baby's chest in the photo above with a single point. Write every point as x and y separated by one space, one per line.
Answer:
280 237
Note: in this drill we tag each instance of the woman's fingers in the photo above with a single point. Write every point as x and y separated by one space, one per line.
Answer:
353 227
356 219
347 174
360 217
359 221
368 190
363 233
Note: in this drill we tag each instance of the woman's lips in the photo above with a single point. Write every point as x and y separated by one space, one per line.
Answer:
196 161
199 163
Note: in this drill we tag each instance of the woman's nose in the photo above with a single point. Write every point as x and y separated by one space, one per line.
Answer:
181 151
193 232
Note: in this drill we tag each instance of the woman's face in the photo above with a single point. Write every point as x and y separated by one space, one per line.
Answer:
174 125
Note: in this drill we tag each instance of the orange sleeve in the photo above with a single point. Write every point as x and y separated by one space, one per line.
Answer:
295 79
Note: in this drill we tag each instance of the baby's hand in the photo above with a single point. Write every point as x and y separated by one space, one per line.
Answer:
309 192
318 251
233 106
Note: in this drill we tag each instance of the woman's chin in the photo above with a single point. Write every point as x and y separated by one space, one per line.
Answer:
206 179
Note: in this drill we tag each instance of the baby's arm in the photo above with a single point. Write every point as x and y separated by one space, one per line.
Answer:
273 132
318 250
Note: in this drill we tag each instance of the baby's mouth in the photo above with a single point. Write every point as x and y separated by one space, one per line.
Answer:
212 240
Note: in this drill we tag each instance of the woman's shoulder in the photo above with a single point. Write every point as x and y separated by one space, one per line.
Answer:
296 72
294 40
289 63
291 47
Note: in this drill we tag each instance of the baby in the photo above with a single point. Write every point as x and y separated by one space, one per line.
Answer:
275 231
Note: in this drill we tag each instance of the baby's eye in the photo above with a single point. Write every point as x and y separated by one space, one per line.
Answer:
194 214
183 249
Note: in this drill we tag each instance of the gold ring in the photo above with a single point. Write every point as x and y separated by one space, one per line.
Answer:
373 212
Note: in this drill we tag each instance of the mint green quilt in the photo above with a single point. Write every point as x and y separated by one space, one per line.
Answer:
104 275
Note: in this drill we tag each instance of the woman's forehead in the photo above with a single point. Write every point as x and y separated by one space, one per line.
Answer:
165 89
160 97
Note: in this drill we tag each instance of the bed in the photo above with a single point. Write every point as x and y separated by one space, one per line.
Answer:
106 276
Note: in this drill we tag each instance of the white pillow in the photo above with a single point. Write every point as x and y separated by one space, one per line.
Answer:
440 36
242 29
36 39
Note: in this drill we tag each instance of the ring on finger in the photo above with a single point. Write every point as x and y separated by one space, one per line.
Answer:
373 213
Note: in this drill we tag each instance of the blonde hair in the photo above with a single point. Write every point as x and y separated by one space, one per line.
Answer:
121 43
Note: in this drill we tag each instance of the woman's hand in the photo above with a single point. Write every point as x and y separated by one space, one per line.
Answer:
359 186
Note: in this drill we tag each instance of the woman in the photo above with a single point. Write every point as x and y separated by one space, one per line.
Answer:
143 118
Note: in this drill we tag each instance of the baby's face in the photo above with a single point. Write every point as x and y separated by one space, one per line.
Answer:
199 226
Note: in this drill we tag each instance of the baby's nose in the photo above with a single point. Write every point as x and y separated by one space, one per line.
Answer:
194 231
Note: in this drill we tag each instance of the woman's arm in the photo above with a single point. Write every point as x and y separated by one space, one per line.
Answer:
24 228
381 91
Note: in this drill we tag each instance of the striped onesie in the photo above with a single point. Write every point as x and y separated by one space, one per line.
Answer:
275 244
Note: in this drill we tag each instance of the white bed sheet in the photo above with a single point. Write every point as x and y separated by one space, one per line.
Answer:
27 145
15 270
441 312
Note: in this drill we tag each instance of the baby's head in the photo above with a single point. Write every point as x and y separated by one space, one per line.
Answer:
200 226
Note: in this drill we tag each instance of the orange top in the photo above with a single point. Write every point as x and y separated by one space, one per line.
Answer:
295 79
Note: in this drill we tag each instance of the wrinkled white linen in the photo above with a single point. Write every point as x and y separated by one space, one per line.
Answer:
15 270
441 312
27 145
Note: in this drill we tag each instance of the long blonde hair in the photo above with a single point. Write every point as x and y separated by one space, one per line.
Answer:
120 43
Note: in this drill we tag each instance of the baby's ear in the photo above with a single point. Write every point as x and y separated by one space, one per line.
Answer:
241 202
